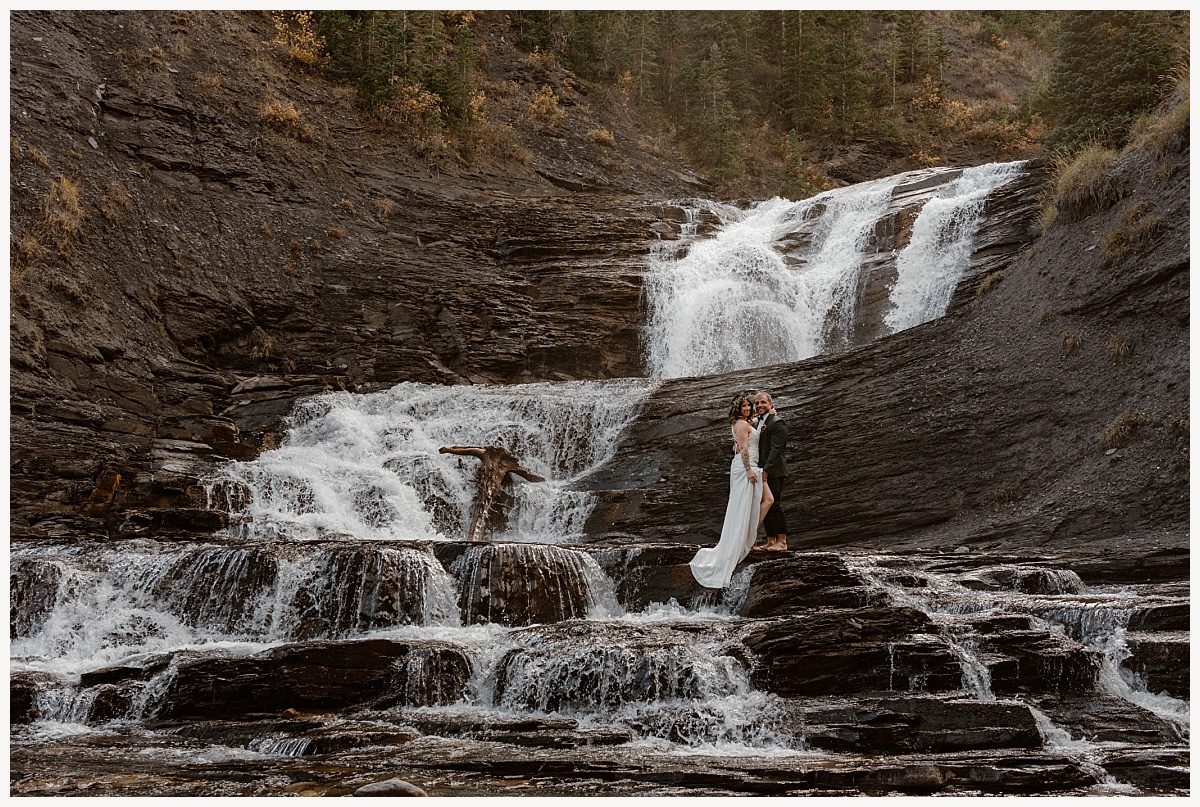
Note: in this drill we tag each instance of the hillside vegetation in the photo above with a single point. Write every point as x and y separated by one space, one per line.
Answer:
760 102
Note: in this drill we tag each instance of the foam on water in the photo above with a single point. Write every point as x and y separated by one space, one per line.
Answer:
367 466
943 239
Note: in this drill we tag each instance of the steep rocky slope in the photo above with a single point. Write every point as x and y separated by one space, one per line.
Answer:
169 242
1048 411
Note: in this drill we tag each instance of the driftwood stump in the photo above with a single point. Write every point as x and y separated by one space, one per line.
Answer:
492 499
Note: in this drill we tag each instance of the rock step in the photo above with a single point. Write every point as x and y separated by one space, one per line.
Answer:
1162 659
920 723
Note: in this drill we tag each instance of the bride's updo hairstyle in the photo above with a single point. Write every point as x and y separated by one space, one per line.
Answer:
735 411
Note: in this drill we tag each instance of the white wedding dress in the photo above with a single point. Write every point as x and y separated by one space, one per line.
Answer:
713 568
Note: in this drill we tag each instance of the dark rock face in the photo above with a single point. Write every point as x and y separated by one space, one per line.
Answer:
523 584
324 675
834 651
22 692
33 590
1163 660
902 725
232 299
802 581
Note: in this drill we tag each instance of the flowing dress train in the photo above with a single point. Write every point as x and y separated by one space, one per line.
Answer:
714 567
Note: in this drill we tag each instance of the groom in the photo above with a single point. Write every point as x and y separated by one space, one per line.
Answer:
772 444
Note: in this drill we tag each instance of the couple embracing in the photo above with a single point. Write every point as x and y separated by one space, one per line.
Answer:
755 488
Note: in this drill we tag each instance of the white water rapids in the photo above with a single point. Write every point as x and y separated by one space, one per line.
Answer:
368 467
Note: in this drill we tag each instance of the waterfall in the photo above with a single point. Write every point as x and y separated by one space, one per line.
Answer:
733 301
367 466
943 240
144 598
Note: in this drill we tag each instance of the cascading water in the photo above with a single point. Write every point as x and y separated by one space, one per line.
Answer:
732 301
1057 600
368 467
141 599
943 240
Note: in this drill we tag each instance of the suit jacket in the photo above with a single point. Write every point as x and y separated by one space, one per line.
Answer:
772 446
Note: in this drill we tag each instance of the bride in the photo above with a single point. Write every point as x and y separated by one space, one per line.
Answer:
749 501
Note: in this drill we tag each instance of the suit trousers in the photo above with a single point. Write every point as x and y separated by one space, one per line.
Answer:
775 523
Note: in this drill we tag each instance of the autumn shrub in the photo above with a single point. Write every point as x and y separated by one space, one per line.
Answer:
987 283
1126 428
602 136
116 202
544 110
1082 185
1120 350
284 116
296 33
1071 340
64 206
1135 228
39 157
383 206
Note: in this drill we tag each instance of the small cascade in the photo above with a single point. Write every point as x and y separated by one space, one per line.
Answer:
659 681
146 599
733 301
943 240
281 746
524 584
368 466
1097 620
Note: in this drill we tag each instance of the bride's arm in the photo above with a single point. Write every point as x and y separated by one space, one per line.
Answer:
741 436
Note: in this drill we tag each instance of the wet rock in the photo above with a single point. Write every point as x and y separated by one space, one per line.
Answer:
523 584
390 787
33 591
329 676
837 651
1025 580
925 724
22 697
111 702
598 667
1157 771
219 587
1162 660
651 574
359 588
1106 718
1174 616
1037 660
799 581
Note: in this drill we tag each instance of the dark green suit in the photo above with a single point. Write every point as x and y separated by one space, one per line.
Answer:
772 446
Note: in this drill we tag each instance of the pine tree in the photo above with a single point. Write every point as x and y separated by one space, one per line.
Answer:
1107 71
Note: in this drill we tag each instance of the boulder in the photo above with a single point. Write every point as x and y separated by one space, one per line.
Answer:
390 787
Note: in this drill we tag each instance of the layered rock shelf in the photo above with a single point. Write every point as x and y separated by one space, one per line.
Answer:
867 667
